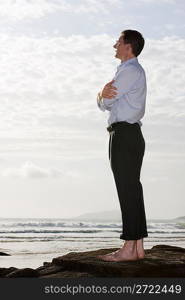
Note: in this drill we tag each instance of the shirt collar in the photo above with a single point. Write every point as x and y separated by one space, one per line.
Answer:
128 61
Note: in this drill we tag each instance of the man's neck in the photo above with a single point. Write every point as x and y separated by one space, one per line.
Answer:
125 59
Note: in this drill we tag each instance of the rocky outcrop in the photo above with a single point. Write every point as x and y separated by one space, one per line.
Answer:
159 261
4 254
26 272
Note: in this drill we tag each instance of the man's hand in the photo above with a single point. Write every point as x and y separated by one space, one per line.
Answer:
109 91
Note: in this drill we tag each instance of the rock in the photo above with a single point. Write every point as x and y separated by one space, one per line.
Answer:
26 272
49 269
46 263
159 261
168 248
5 271
68 274
4 254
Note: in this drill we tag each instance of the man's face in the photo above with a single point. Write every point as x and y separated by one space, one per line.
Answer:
122 49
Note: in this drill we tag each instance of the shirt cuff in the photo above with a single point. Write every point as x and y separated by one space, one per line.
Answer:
100 102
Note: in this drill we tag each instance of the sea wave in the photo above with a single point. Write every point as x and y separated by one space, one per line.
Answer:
50 231
59 224
181 225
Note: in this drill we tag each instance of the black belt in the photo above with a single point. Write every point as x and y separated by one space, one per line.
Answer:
120 124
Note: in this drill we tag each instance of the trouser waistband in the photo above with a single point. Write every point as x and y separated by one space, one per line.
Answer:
120 124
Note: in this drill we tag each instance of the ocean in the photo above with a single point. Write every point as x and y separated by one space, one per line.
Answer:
34 241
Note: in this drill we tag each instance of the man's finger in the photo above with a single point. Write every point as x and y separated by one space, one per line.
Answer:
109 94
111 88
109 83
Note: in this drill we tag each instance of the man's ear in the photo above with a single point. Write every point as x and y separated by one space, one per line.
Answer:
129 48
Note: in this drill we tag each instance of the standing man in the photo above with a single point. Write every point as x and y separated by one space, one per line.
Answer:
125 97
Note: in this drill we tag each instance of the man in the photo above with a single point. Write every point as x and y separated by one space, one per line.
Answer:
125 97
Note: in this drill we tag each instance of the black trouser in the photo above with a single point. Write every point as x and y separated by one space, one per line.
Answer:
126 151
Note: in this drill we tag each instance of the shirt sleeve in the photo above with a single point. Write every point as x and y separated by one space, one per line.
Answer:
124 82
101 104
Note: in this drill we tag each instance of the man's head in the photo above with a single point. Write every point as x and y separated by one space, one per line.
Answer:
129 45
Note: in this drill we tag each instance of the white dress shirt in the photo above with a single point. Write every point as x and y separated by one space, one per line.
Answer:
129 103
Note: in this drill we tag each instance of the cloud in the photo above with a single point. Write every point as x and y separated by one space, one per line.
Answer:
33 171
158 1
18 10
23 9
30 170
162 61
46 84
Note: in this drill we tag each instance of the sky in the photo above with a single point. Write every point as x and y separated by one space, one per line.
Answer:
55 56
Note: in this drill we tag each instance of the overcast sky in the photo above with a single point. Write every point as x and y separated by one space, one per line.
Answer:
54 58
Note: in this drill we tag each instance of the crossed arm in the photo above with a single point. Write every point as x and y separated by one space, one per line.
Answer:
114 89
109 91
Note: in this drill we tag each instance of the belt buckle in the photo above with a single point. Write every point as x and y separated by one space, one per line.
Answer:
110 128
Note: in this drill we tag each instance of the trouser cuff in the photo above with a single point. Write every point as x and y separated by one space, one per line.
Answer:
127 238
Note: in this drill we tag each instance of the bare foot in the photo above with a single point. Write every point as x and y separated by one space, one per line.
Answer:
140 249
120 257
107 255
127 253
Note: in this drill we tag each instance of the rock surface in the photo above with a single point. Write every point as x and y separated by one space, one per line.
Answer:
159 261
4 254
26 272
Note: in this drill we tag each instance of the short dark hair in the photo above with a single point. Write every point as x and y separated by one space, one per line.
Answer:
135 39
